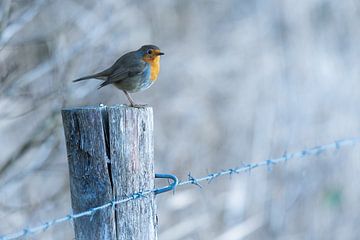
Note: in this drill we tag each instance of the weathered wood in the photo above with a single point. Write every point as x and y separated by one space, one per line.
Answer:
90 183
132 166
110 154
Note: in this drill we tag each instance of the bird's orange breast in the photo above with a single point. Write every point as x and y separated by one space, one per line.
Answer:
154 67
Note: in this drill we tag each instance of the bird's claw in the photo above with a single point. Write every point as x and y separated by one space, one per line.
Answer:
138 105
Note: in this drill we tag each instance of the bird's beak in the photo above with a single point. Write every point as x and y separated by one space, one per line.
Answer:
160 53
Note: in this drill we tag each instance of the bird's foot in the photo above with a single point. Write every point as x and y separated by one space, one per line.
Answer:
138 105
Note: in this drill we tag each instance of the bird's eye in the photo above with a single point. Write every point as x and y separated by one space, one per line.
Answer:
149 51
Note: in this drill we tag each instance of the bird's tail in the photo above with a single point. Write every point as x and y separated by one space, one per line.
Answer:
101 75
84 78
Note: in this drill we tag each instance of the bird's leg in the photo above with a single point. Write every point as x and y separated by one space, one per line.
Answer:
132 103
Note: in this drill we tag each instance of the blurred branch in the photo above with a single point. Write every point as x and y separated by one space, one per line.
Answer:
10 30
39 163
185 227
4 13
6 72
37 205
67 54
42 132
34 103
18 115
243 229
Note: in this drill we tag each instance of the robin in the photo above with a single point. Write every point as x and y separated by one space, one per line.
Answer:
133 72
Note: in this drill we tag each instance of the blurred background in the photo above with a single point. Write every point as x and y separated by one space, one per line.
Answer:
241 81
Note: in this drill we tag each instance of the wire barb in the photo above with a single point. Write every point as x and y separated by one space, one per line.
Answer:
315 151
193 180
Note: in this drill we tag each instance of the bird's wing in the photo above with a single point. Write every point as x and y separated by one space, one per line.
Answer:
120 73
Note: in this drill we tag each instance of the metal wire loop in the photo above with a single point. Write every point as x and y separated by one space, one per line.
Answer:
170 187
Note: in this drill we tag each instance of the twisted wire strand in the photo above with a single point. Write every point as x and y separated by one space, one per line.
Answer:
314 151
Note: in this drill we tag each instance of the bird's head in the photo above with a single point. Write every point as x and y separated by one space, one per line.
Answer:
150 53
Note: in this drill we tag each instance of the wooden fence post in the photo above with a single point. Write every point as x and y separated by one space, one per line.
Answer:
111 155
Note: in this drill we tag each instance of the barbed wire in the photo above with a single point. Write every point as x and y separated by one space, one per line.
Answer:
314 151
